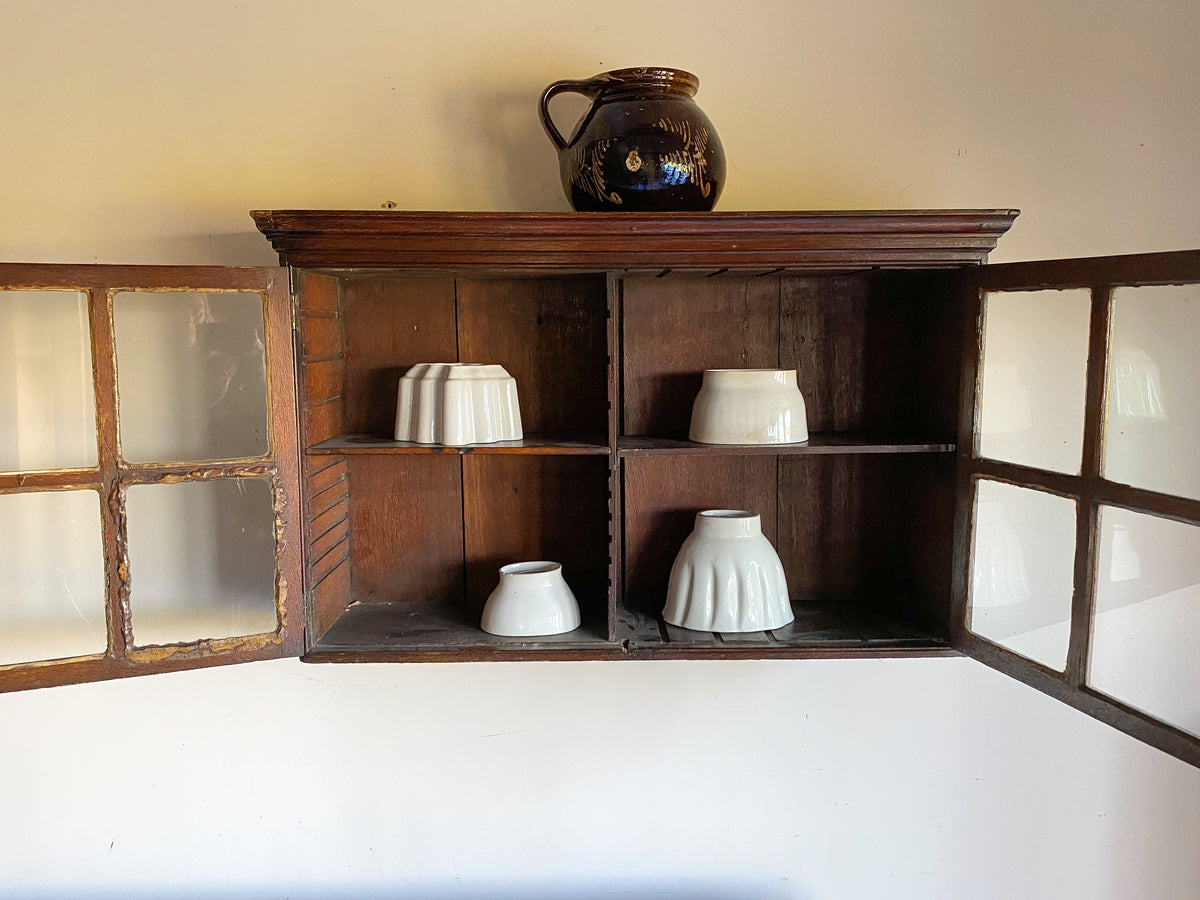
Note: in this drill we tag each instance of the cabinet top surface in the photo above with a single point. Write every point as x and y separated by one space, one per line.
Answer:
595 242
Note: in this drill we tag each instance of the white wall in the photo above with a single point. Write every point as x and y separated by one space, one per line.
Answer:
143 132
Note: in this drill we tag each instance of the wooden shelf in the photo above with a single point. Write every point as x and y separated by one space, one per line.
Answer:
369 445
385 631
820 629
827 443
430 632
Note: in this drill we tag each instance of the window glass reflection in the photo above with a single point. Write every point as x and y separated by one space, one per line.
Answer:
1147 616
1152 413
47 396
1022 571
201 560
191 376
1034 377
52 600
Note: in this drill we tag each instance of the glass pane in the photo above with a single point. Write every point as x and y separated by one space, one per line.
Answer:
201 560
191 376
1153 414
1148 616
1022 571
47 399
52 600
1034 378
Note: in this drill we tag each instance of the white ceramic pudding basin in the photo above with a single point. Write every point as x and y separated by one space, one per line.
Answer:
749 406
456 404
531 599
727 577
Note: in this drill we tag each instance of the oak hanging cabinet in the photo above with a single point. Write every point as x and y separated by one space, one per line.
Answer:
903 524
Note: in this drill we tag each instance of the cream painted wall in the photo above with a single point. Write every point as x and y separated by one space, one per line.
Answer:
143 132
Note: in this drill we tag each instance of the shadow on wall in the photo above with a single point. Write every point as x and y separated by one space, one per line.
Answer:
500 160
502 153
683 889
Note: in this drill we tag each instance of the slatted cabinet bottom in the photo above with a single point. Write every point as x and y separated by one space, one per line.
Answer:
820 628
382 631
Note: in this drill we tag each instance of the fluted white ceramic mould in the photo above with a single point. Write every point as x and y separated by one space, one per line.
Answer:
749 406
727 577
531 599
456 404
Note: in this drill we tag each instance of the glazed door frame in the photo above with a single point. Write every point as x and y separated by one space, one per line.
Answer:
1089 489
113 475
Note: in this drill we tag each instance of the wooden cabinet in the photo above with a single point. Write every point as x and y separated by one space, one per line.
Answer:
607 322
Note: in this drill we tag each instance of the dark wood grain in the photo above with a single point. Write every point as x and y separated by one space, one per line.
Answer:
285 450
320 336
335 534
321 502
321 524
66 276
1087 532
662 495
371 628
537 445
24 481
392 324
323 381
406 528
323 472
614 293
550 336
330 597
520 509
837 520
1175 267
114 522
676 327
324 421
823 335
874 352
317 292
465 242
828 443
323 564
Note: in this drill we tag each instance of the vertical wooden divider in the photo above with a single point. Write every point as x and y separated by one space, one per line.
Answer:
616 505
964 495
114 530
1087 533
550 334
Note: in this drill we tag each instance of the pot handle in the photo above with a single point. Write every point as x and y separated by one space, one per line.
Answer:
590 88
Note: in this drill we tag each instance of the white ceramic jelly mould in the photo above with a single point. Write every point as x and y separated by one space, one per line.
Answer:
531 599
749 406
456 404
727 577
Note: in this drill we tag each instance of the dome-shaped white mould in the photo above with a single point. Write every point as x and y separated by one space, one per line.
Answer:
727 577
456 404
749 406
531 599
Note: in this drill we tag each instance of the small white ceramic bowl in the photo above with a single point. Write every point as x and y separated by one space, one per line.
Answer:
531 599
727 577
749 406
456 404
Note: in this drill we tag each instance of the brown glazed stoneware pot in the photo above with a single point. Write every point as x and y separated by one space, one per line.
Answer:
644 146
